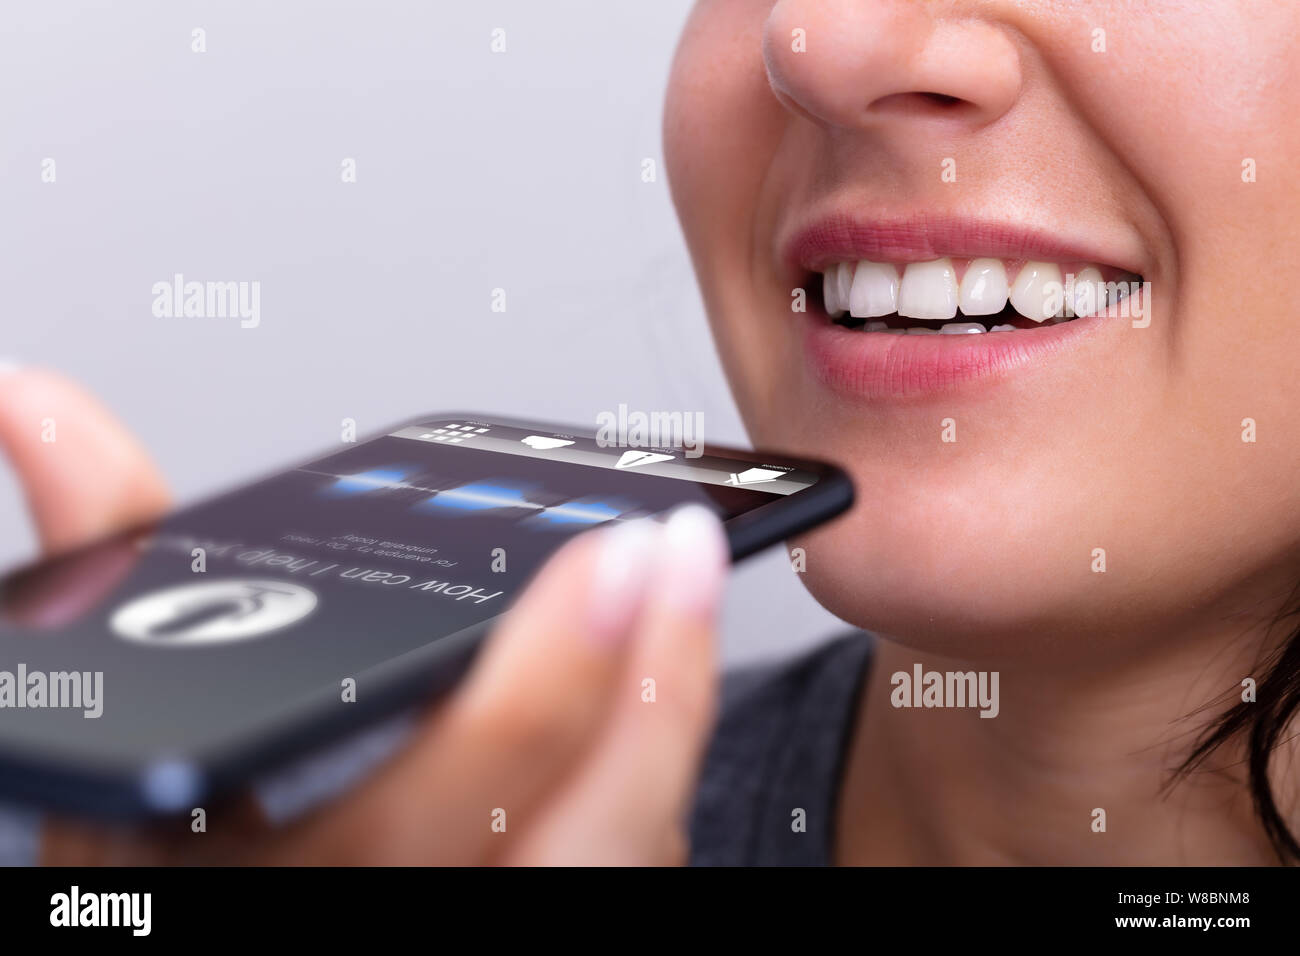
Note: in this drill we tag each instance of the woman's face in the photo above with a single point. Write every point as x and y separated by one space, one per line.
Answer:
994 468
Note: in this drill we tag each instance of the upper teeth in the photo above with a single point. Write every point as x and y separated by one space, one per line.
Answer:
929 290
984 288
874 290
1029 293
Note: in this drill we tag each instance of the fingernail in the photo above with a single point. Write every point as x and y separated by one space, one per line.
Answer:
623 569
9 365
693 561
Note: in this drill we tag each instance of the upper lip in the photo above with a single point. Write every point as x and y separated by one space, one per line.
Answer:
847 236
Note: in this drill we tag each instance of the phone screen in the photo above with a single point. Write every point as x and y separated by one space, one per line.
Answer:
226 613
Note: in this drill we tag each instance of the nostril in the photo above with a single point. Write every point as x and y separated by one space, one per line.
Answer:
920 103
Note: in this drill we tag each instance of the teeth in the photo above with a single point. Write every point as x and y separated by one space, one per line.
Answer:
836 282
843 283
1089 292
874 290
984 288
928 290
1030 296
830 293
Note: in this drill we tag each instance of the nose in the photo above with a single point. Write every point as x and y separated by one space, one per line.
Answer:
872 64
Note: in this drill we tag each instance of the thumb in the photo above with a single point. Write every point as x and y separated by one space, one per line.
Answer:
84 475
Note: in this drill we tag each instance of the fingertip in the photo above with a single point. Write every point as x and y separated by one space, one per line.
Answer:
694 562
624 562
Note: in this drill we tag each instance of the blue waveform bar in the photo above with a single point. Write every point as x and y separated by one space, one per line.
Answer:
579 513
375 479
478 496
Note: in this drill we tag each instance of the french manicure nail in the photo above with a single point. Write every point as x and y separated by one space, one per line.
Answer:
693 561
624 563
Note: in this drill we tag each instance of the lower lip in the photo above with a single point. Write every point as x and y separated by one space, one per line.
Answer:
876 365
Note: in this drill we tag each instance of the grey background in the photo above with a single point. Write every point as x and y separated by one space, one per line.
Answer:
520 170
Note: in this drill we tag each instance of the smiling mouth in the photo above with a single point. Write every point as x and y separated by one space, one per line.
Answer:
965 296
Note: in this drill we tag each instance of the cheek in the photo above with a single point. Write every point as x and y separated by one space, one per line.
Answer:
720 123
722 126
1219 180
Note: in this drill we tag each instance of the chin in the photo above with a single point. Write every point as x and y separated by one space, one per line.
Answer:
956 584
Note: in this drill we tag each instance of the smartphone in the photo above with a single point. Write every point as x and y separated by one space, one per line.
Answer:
168 665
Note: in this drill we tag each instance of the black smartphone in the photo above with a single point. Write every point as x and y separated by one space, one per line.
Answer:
148 673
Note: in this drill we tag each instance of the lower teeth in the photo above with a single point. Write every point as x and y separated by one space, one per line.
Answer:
963 326
950 328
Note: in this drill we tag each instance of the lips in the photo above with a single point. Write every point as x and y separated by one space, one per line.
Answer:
848 237
887 367
905 307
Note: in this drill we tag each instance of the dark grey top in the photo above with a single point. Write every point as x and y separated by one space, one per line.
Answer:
779 748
